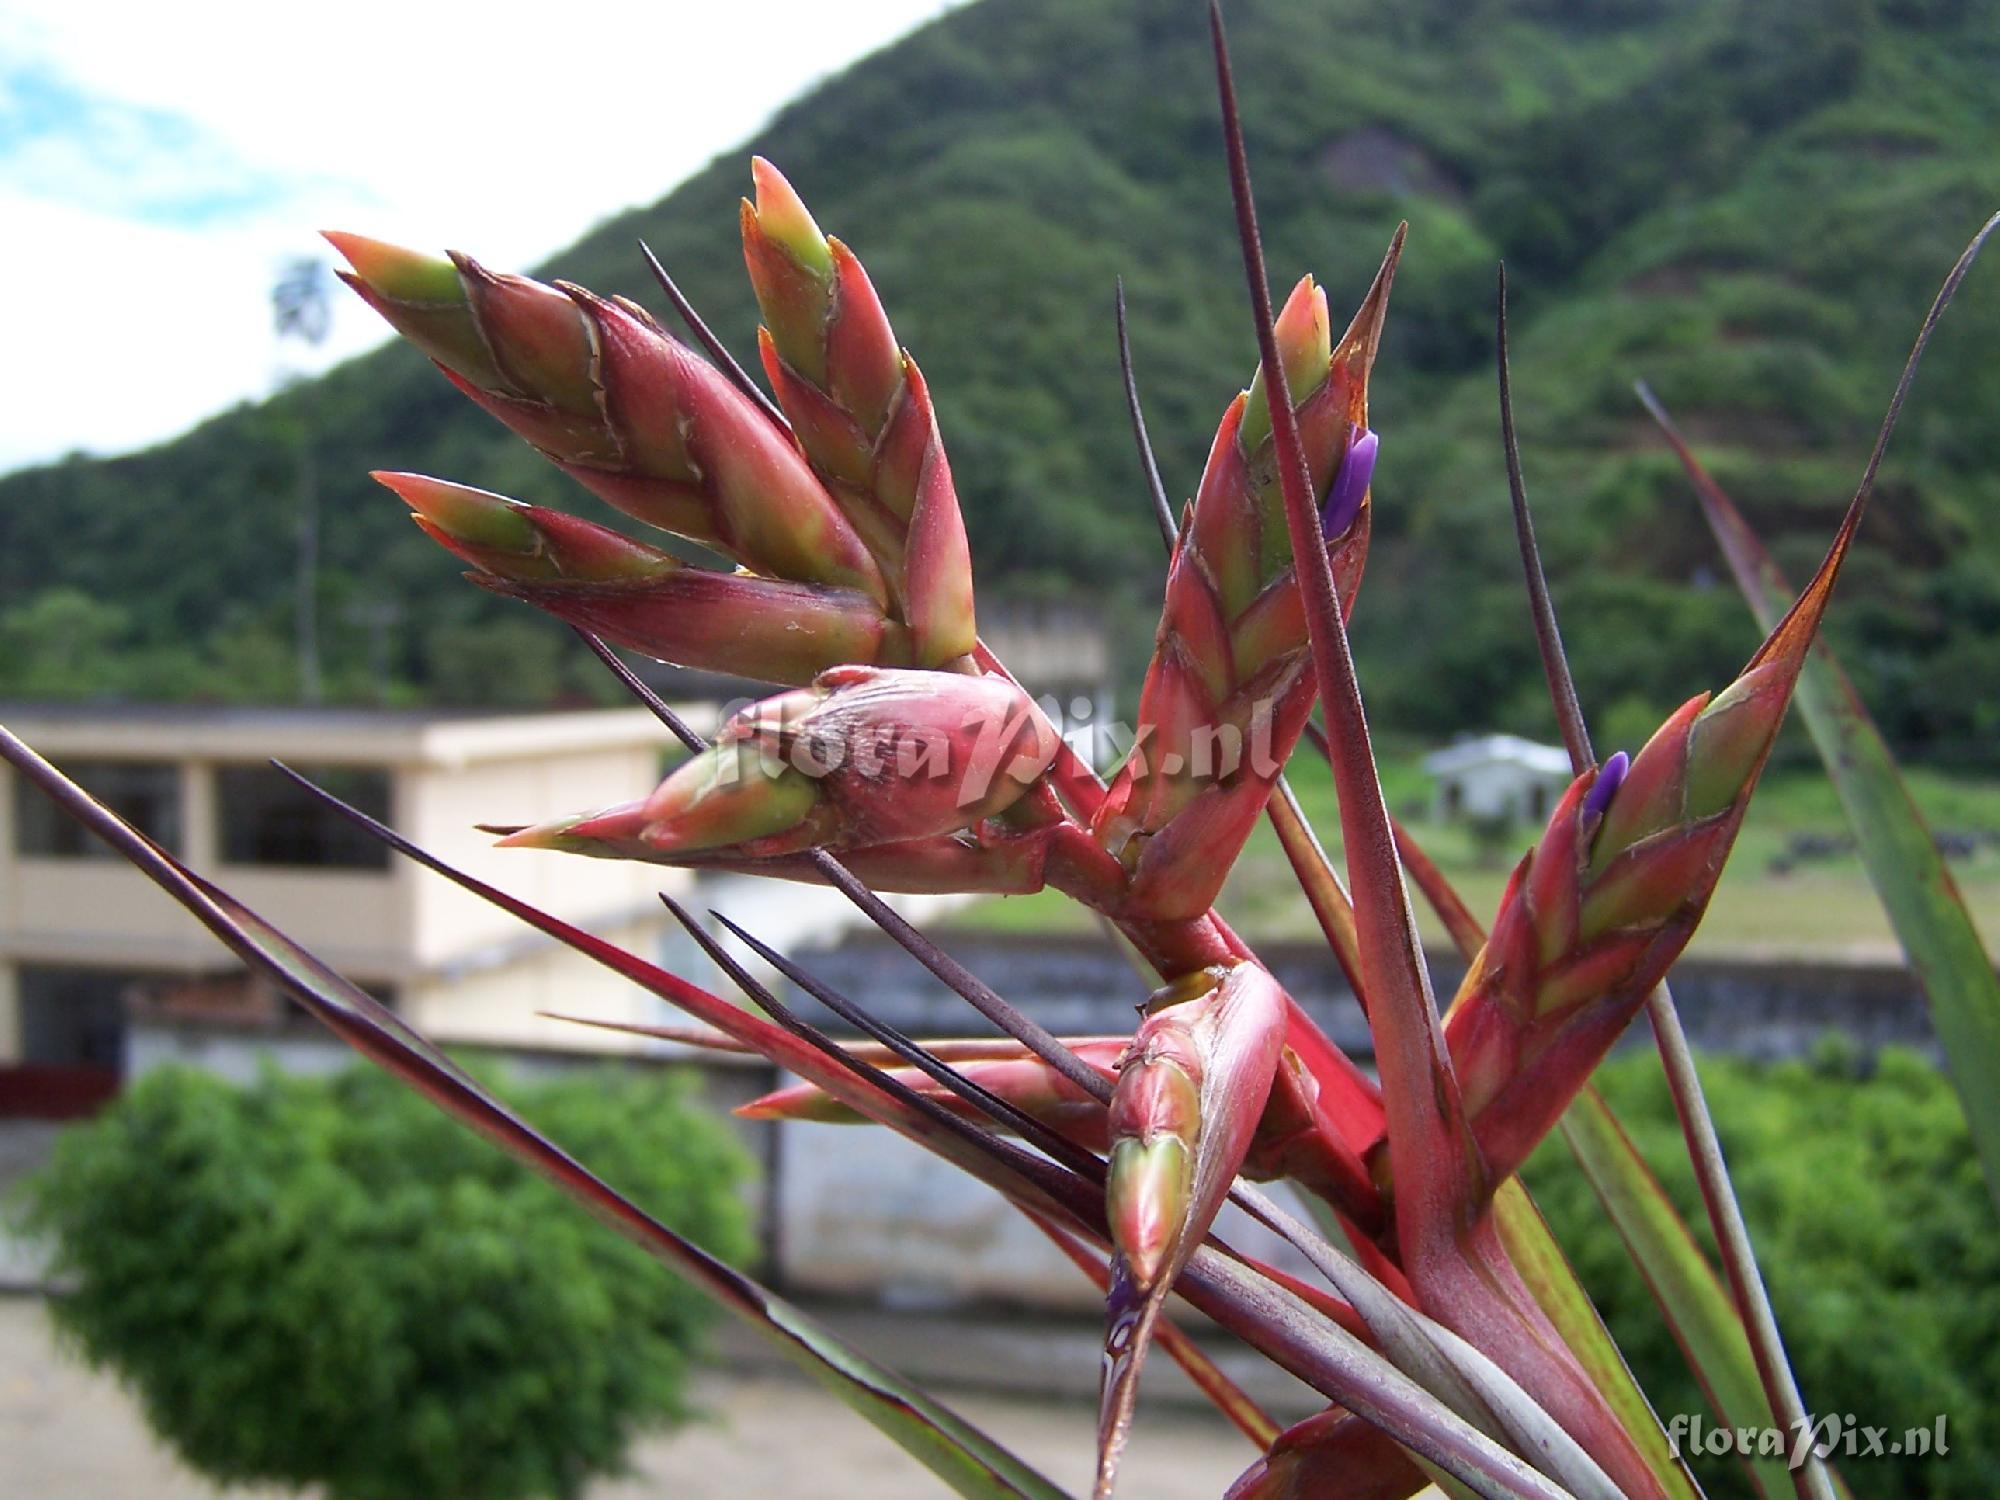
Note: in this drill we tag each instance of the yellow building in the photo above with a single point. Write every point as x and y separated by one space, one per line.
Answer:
87 943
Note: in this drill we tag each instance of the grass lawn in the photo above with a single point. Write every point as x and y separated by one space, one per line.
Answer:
1823 907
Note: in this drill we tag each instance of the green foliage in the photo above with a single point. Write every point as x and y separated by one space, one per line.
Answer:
1748 204
514 661
1871 1219
55 637
326 1281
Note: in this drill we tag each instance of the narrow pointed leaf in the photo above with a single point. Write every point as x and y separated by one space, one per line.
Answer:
1447 1366
1149 468
997 1159
956 1082
1555 665
706 337
1704 1320
1319 882
1018 1077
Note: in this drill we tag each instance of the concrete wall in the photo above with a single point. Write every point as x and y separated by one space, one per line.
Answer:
231 1052
862 1213
1078 986
502 1004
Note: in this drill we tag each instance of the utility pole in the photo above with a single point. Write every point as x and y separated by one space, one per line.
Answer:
378 617
300 310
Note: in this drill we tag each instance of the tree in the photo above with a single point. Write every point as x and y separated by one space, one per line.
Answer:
1863 1191
326 1282
59 643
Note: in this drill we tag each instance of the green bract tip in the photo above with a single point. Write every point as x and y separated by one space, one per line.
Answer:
394 271
783 216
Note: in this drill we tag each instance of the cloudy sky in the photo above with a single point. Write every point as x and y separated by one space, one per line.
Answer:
160 164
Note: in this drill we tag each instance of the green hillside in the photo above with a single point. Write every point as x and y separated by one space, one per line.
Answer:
1747 201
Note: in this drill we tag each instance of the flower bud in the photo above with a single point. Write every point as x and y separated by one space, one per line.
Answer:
1350 485
864 757
904 754
1189 1097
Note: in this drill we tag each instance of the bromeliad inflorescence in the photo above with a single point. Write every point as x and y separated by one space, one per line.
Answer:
844 508
901 756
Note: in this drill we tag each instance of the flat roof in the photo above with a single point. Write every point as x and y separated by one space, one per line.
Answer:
435 736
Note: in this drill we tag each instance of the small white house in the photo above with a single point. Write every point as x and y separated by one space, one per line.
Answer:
1499 777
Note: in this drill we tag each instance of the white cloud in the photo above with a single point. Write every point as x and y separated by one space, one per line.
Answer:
204 142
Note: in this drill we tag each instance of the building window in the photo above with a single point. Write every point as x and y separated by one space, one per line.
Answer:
75 1017
229 999
145 793
266 818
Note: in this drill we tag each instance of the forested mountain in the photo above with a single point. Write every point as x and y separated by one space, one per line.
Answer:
1748 202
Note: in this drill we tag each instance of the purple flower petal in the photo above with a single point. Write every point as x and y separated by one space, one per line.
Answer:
1343 501
1610 776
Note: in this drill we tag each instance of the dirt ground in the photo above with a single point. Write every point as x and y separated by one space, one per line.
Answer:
69 1434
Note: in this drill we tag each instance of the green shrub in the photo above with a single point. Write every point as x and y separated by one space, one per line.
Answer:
1875 1231
326 1281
